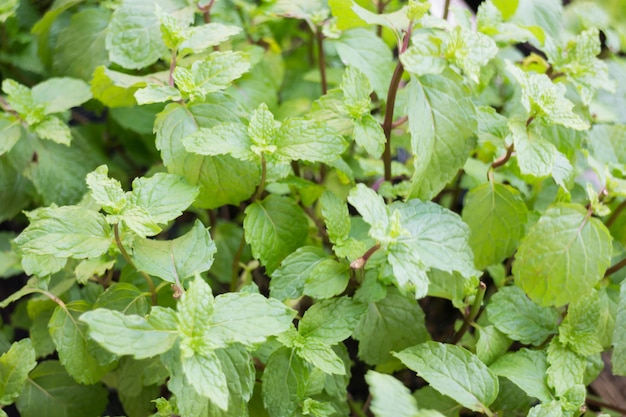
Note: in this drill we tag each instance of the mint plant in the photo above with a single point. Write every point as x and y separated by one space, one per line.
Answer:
311 208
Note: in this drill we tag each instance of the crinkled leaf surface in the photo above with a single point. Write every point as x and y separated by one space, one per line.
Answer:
82 358
274 228
141 337
15 365
390 324
289 278
527 369
247 318
389 396
222 179
175 259
561 269
453 371
67 231
50 388
618 358
520 318
164 196
442 124
496 215
364 50
331 321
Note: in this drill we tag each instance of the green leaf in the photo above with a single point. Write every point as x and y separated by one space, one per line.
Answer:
369 134
135 23
562 269
157 94
237 364
284 382
618 359
537 156
424 56
274 228
125 298
59 171
566 368
80 48
133 335
582 328
85 361
247 319
20 98
491 344
579 62
54 129
373 210
391 324
496 215
187 400
470 51
543 98
327 279
362 49
15 365
331 321
520 318
321 356
390 398
201 38
164 196
356 90
51 389
308 140
116 89
442 123
205 374
8 9
526 369
547 15
68 231
439 235
11 132
453 371
175 260
106 191
336 216
60 94
289 279
14 189
222 179
223 139
213 74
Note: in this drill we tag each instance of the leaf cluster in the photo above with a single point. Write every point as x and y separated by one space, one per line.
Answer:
311 208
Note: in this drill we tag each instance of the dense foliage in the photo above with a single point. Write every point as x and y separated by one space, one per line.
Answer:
311 208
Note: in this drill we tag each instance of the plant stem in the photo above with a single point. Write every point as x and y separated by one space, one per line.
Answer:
360 262
242 244
504 158
391 101
261 187
206 11
446 10
355 408
616 214
469 319
602 404
234 277
120 246
172 68
621 264
319 37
